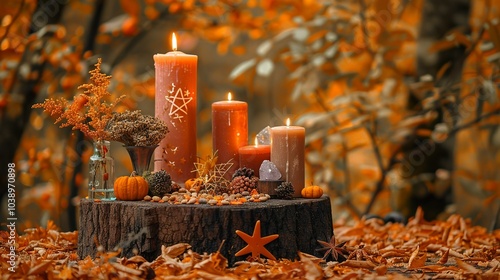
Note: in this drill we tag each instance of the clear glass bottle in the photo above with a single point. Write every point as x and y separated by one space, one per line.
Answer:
101 172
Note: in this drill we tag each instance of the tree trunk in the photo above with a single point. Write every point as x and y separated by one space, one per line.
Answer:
140 227
24 90
438 19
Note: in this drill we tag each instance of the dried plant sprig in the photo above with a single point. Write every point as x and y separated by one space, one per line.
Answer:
90 111
132 128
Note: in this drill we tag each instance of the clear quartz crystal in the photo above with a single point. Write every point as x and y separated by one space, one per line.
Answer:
264 136
268 171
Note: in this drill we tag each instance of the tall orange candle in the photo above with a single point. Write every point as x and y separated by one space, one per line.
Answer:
287 153
229 131
175 103
252 156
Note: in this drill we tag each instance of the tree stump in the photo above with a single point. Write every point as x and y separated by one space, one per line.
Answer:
140 227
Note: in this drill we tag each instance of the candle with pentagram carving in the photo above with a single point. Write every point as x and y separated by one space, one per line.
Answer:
175 104
229 132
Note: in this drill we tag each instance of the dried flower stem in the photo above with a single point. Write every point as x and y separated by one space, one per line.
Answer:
89 112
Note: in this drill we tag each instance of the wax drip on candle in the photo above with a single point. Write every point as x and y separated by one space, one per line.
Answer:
174 42
229 99
287 149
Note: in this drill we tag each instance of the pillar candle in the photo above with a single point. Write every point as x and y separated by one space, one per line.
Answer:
287 153
229 131
252 156
175 104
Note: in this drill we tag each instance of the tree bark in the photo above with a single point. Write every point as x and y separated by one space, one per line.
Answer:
142 227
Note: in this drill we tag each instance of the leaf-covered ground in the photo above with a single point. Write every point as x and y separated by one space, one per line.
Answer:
451 249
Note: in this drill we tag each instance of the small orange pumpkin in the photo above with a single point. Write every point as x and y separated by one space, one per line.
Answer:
312 192
131 187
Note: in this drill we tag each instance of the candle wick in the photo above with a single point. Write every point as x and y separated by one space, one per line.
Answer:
287 154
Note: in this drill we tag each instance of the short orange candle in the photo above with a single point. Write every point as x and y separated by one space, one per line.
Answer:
229 131
287 153
252 156
175 104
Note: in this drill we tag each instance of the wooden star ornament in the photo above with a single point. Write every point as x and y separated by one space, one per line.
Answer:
255 243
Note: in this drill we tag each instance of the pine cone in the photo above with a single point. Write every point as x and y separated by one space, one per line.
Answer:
159 183
243 171
175 187
285 190
242 183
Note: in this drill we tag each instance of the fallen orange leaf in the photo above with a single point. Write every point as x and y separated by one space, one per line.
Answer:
416 261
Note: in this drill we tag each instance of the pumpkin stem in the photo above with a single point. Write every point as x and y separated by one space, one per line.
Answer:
133 174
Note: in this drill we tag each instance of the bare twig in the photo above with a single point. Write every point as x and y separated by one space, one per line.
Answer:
14 18
147 26
362 10
380 184
383 170
475 121
392 160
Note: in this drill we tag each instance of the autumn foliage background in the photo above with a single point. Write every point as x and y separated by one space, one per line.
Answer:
399 98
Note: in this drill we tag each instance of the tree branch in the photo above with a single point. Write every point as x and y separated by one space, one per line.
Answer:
347 201
362 10
147 26
475 121
26 92
14 18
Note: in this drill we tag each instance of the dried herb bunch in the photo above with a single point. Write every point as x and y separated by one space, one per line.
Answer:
132 128
90 111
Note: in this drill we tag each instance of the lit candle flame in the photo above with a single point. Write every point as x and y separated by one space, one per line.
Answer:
174 42
256 142
288 122
229 96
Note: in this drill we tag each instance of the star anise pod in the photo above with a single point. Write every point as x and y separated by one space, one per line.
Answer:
335 250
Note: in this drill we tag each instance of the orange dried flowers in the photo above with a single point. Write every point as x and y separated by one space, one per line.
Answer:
90 111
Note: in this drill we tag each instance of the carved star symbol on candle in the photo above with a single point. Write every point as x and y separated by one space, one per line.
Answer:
183 160
174 100
171 164
174 150
165 150
255 243
177 117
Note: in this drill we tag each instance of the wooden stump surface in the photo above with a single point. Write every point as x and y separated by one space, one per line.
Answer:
140 227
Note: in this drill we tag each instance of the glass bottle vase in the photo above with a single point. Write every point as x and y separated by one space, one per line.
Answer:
101 172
